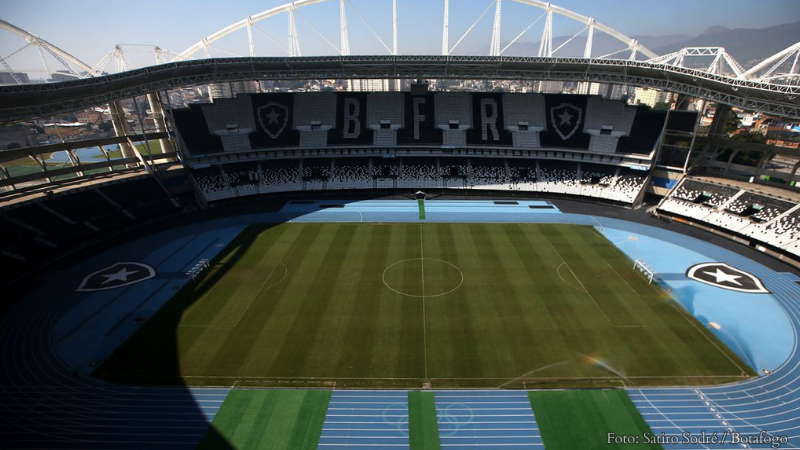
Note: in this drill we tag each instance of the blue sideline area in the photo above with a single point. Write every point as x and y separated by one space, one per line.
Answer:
102 321
752 325
52 336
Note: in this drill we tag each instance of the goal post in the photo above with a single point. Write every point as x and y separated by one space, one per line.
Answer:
648 272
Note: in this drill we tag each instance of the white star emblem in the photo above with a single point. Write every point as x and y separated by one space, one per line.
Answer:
122 275
273 116
566 118
723 277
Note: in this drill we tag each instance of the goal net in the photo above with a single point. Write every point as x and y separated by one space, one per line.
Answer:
642 266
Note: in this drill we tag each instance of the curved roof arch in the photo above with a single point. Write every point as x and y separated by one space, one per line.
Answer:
39 41
291 6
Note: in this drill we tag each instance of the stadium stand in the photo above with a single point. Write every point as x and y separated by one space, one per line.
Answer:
785 229
454 116
488 173
242 177
314 115
385 116
230 113
193 131
351 173
760 217
37 229
706 193
559 177
385 172
280 175
212 183
606 122
628 185
645 130
612 183
525 118
419 173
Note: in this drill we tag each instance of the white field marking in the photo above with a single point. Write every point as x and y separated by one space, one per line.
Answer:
558 271
262 288
598 223
685 316
383 278
334 378
424 318
581 283
534 371
620 277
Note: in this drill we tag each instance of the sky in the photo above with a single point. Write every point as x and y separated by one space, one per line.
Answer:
90 28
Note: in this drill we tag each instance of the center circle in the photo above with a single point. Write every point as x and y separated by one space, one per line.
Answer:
422 277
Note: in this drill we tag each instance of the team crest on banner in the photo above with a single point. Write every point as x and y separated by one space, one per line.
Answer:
273 118
116 276
726 277
566 119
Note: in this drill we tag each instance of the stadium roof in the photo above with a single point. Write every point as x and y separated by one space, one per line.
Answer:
20 102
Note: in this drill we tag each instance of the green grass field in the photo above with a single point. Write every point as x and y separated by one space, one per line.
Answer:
268 419
400 305
584 418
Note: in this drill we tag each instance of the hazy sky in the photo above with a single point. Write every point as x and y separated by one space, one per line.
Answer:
90 28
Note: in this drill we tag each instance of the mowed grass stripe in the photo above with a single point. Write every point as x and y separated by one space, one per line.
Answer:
579 249
583 418
509 286
398 339
669 342
255 273
349 312
453 346
423 426
268 419
308 308
357 323
258 341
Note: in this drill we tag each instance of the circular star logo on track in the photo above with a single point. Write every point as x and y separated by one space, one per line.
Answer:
116 276
724 276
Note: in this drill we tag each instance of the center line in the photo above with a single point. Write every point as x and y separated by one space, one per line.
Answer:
424 329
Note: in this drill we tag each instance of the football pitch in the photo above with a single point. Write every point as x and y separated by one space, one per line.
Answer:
423 305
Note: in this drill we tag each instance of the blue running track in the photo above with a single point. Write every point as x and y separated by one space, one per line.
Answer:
490 420
54 332
367 420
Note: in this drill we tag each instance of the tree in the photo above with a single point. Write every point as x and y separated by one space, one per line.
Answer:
731 124
662 106
749 136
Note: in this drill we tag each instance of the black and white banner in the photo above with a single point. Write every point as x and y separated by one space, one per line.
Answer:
565 116
273 117
419 127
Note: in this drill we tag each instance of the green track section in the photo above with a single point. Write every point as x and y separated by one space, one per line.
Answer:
268 420
423 428
463 305
583 419
421 204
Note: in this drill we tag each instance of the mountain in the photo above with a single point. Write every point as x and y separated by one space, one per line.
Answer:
747 45
652 42
602 44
